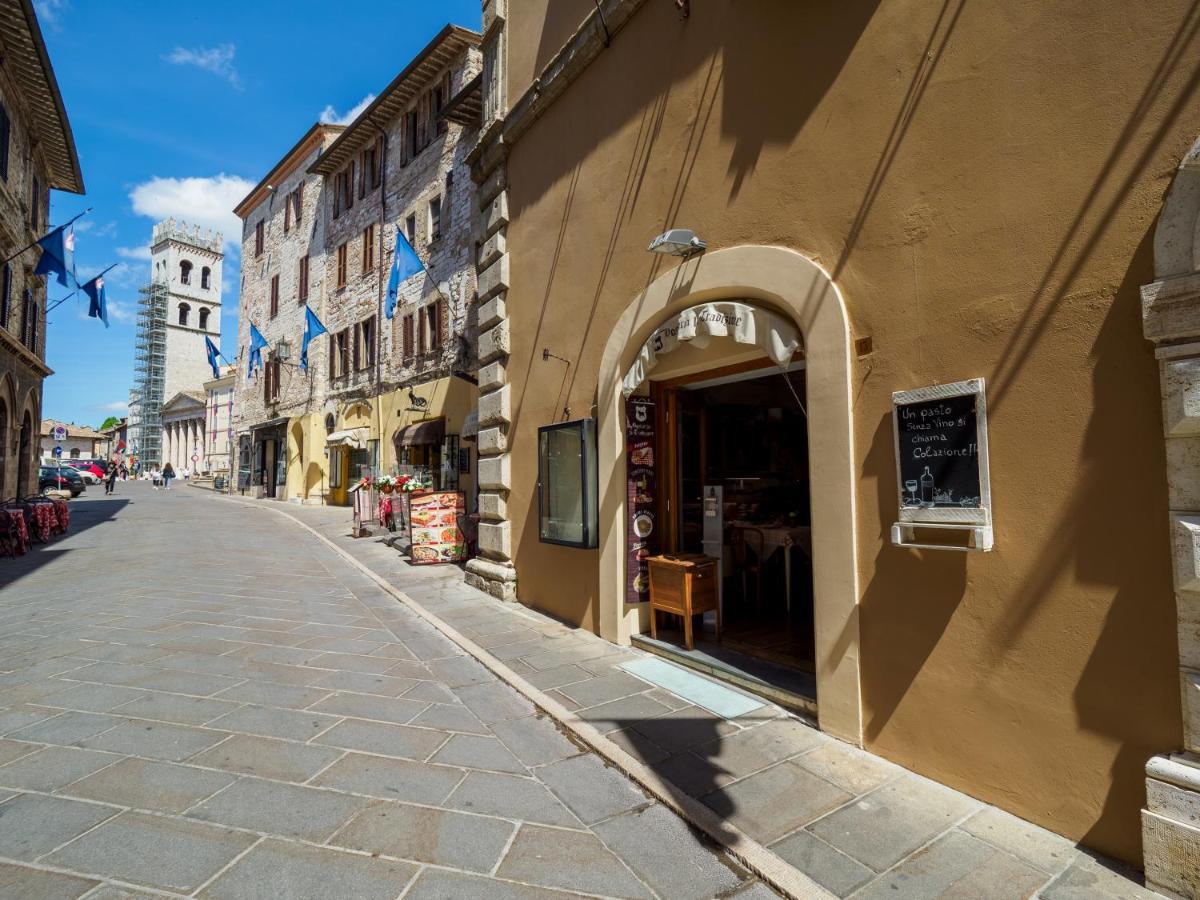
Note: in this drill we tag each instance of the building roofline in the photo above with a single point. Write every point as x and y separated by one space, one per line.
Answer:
285 165
28 63
337 153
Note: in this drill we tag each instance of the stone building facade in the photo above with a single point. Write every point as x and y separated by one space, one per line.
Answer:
401 165
219 394
37 154
283 275
81 442
1054 673
188 261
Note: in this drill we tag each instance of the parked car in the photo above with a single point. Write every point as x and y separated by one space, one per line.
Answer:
91 472
52 478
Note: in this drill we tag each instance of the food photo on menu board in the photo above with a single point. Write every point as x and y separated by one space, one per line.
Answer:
437 535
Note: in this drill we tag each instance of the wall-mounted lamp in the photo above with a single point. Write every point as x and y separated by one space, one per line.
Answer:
678 242
283 351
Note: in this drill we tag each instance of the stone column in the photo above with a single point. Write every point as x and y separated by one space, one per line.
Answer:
493 570
166 445
1171 819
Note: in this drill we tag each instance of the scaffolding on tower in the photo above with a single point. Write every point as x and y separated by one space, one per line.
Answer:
150 351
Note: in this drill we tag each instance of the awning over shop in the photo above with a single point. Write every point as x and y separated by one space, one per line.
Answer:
470 427
355 437
272 423
698 325
420 433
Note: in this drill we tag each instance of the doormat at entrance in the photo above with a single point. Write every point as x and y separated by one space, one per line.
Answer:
694 688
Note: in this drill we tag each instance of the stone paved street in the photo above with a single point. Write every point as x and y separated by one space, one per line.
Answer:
199 699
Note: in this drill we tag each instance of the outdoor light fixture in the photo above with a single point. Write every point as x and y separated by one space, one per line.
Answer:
283 351
678 242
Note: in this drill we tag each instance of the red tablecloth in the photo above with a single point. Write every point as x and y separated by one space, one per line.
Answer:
62 514
41 518
14 536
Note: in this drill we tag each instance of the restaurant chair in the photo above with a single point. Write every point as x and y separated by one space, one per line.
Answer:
746 545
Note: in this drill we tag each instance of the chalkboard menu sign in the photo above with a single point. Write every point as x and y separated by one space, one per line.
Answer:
941 453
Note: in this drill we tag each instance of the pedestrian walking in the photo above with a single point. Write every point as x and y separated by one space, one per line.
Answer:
110 477
168 473
156 477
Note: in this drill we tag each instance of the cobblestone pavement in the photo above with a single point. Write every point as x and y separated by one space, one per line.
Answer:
201 699
856 824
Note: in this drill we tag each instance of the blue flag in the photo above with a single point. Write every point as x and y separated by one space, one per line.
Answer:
257 342
213 354
97 301
405 264
312 328
58 256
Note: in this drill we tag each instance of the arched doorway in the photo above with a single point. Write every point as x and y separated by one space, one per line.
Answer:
792 286
4 448
25 485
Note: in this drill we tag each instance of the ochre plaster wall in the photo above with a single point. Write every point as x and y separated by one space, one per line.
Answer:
981 181
544 26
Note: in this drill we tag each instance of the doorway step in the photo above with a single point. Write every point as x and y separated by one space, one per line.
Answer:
789 688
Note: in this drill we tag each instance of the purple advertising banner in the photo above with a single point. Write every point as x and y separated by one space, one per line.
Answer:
642 497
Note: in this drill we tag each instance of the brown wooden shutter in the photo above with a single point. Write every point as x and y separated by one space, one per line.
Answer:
302 279
442 320
332 357
299 202
408 336
421 331
287 215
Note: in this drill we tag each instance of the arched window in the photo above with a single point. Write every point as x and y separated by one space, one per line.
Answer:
329 423
204 317
184 309
205 277
75 453
185 272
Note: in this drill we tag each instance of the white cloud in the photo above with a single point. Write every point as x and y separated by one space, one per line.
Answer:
218 60
89 226
142 253
50 11
119 312
117 406
207 202
331 116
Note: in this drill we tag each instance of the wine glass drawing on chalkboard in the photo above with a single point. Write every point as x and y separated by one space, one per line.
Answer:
911 487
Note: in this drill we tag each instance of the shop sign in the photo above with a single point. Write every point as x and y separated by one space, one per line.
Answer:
435 518
698 325
641 499
942 464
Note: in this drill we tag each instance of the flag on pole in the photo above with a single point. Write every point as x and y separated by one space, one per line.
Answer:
312 328
58 256
405 264
257 343
97 301
213 354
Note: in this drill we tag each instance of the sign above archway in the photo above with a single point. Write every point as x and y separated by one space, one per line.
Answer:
698 325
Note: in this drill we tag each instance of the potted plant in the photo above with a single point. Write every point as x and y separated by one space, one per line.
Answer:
386 483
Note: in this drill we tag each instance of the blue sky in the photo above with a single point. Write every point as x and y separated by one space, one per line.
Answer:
178 109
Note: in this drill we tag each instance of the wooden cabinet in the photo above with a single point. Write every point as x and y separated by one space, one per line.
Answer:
684 585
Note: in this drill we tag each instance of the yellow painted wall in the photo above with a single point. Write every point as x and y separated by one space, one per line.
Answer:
982 181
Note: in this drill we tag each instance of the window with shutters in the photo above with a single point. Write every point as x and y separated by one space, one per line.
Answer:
356 346
435 218
302 279
443 98
274 296
34 321
287 215
298 203
408 337
410 136
341 266
368 342
332 356
5 140
259 234
368 249
5 294
410 229
350 185
443 322
29 320
343 352
429 328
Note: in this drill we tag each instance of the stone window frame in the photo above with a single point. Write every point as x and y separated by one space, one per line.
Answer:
185 271
342 265
184 311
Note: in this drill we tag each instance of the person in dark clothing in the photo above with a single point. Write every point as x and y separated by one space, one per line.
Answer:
168 473
110 478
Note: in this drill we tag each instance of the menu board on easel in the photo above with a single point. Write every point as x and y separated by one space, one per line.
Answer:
435 518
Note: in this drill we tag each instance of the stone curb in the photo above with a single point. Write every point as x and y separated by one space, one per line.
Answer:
769 867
